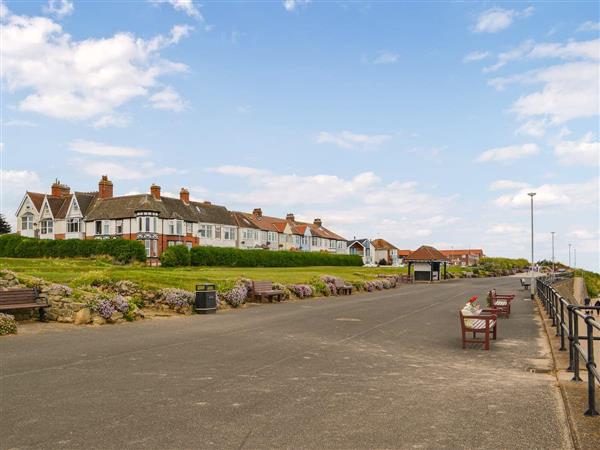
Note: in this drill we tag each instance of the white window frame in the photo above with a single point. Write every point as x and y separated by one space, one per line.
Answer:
27 221
71 228
47 226
119 226
218 232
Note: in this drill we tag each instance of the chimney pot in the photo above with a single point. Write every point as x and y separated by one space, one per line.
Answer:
257 212
318 222
184 195
105 187
60 190
155 191
290 217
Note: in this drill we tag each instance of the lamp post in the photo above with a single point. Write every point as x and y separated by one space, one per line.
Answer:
575 260
532 194
553 232
569 256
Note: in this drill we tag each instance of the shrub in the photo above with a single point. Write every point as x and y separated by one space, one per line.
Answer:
383 262
233 257
177 298
301 290
175 256
104 308
7 324
236 296
121 250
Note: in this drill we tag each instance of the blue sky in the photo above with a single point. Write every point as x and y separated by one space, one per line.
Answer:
422 122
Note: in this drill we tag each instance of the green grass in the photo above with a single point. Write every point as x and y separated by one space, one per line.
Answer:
77 272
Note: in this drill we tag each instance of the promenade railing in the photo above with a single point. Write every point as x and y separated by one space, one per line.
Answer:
567 319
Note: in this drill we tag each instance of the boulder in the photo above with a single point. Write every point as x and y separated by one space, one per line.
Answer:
97 320
83 316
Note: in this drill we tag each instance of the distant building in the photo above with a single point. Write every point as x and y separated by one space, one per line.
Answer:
468 257
427 263
384 251
364 248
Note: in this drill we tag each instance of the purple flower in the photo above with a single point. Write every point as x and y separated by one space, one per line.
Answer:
235 296
104 308
120 304
301 290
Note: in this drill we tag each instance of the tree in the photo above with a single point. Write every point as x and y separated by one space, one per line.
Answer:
4 225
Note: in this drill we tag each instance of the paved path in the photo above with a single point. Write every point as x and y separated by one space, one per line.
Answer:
381 370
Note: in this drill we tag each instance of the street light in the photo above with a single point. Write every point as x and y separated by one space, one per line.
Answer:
531 194
569 256
553 232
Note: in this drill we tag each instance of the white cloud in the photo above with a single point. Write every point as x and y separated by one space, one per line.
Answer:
99 149
349 140
291 5
582 233
168 99
502 185
476 56
509 153
19 123
79 80
242 171
589 26
498 19
112 120
506 228
585 151
120 171
59 8
386 57
14 180
186 6
535 128
563 195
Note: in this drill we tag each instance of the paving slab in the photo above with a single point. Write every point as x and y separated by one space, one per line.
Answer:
381 370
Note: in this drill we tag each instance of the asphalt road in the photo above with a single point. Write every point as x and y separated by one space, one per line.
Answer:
383 370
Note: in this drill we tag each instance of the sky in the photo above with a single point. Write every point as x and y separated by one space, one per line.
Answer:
416 122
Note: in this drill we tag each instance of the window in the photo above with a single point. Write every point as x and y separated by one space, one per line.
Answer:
179 227
229 233
27 222
188 228
249 234
119 227
205 231
272 237
151 247
147 224
75 206
105 227
99 226
73 225
314 241
170 243
47 226
332 244
175 227
217 232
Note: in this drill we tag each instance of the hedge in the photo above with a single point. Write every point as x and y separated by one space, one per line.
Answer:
233 257
178 255
122 250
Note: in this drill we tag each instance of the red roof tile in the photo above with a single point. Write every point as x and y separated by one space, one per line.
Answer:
426 253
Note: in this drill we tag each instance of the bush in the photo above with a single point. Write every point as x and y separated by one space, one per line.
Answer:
236 296
383 262
177 298
121 250
301 290
233 257
7 324
175 256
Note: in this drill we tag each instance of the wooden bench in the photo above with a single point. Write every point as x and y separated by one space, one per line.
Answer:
264 289
526 284
486 324
22 298
501 302
342 287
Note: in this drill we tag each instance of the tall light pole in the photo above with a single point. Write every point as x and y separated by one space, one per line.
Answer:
575 260
569 256
553 232
532 194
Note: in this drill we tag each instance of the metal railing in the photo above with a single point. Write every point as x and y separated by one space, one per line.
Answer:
566 317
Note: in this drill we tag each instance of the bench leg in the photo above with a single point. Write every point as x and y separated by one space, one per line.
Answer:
494 332
42 312
486 346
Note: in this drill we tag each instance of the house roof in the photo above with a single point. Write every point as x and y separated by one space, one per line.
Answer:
382 244
363 242
265 223
426 253
245 220
404 253
167 208
84 200
323 232
472 251
56 205
37 199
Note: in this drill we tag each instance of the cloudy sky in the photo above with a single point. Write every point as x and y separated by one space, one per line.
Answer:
422 123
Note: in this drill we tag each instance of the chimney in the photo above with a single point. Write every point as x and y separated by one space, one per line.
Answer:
206 202
289 217
318 222
184 195
257 212
59 190
155 191
105 187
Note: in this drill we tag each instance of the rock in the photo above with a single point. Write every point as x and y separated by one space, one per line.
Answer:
65 319
97 320
83 316
115 317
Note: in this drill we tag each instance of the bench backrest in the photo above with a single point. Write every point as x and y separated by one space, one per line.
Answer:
18 296
339 283
259 286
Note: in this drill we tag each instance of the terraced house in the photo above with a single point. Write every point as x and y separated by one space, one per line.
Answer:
161 221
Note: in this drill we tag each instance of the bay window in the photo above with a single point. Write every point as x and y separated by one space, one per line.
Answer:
27 222
206 231
47 226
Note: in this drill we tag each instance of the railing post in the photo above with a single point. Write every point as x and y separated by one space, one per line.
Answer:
575 349
570 312
556 314
552 309
591 411
561 326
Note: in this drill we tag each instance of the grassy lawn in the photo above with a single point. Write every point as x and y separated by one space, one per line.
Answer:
76 272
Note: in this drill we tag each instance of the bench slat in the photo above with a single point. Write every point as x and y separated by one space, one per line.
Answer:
23 306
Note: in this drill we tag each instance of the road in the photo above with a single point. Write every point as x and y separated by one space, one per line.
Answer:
381 370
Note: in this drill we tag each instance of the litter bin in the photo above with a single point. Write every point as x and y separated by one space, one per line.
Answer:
206 299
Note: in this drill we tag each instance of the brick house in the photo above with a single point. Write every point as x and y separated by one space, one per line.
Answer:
385 251
468 257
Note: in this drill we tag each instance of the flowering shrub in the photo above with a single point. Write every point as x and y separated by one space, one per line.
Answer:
329 285
387 284
177 298
7 324
301 290
236 296
286 292
120 304
373 285
104 308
